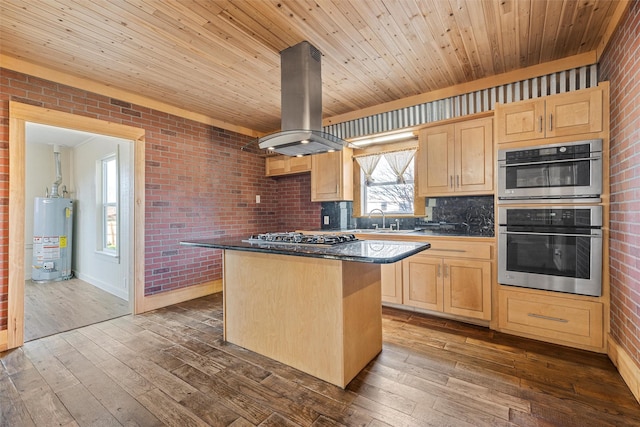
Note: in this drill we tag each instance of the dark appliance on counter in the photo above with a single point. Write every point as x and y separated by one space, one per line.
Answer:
551 248
296 238
571 170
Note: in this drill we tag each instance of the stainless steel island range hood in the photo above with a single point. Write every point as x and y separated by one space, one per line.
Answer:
301 98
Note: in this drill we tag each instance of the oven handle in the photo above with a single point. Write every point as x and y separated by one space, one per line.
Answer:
593 159
596 234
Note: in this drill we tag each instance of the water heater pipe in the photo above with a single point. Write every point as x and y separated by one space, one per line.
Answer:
58 181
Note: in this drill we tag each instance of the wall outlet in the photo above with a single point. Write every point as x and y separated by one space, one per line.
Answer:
257 198
325 220
428 213
431 203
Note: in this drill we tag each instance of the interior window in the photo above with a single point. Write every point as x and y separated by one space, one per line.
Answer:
388 184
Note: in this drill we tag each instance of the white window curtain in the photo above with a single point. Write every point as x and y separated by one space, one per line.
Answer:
368 164
399 161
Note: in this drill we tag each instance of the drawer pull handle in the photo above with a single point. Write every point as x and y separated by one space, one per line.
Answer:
540 316
450 250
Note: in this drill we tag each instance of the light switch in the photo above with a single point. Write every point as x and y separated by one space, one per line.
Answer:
326 220
257 198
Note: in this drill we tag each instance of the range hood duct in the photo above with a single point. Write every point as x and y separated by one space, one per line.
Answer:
301 104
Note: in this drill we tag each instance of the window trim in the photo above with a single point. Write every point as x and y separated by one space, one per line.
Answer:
102 206
418 201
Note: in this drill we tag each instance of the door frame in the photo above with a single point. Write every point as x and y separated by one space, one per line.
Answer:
19 114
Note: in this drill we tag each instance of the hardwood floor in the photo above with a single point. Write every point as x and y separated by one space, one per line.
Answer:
171 367
50 308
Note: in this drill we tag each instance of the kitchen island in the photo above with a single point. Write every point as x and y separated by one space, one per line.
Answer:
316 308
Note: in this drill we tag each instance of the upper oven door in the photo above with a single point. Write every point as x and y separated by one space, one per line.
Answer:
558 171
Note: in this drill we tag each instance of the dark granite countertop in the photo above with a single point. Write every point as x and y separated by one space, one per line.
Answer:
372 251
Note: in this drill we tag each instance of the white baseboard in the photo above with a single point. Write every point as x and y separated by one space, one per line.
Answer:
119 292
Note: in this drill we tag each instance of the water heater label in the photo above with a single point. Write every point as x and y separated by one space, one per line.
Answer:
63 242
47 248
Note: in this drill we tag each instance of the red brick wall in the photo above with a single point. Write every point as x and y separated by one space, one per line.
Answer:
198 183
620 65
295 210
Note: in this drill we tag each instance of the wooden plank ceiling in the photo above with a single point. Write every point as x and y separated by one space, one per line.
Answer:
220 58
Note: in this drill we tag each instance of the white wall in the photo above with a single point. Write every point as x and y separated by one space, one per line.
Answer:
91 265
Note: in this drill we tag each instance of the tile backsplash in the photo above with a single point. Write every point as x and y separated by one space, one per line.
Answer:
468 215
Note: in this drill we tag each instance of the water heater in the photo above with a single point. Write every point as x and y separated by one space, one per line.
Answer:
52 236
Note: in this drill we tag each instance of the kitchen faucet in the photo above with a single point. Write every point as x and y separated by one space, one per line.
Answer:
382 212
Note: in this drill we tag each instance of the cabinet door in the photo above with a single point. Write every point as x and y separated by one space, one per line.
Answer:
275 165
422 282
391 280
574 113
299 164
474 156
285 165
467 288
436 161
332 176
520 121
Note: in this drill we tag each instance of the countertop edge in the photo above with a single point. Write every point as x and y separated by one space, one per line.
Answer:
273 249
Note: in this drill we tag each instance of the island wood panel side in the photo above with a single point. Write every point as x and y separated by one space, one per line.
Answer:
362 311
301 311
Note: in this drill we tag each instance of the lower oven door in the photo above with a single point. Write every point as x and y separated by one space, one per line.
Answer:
562 262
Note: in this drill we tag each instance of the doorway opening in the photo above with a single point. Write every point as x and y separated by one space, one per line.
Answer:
93 175
19 115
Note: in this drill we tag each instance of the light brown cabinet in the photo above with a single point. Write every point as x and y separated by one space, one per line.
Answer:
553 318
391 281
570 113
286 165
456 159
456 286
332 176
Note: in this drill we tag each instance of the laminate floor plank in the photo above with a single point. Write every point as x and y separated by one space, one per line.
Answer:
54 307
172 367
13 411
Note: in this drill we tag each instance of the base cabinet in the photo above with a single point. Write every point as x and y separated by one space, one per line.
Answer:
552 318
456 286
391 280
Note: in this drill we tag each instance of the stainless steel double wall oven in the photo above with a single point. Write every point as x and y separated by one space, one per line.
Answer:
553 239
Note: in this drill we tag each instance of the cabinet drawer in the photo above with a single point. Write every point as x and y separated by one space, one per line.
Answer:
444 248
551 318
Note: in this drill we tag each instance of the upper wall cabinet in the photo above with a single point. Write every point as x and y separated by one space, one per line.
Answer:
570 113
332 176
456 159
286 165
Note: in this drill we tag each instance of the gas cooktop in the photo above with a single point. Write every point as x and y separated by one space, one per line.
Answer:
295 238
